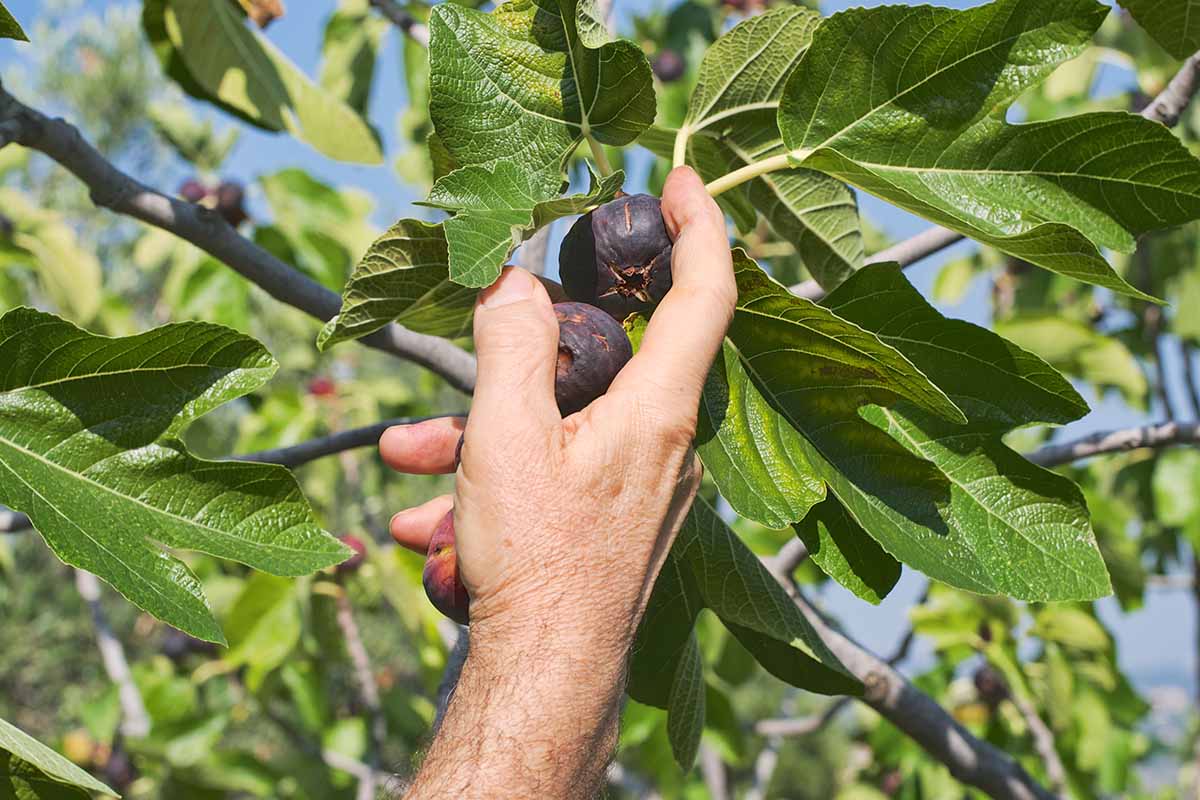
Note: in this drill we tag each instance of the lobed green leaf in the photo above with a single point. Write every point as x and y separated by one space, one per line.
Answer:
89 449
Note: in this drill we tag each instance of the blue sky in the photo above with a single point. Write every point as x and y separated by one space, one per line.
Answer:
1148 650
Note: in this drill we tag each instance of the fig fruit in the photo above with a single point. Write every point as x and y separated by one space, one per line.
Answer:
230 197
990 685
193 190
351 564
668 66
592 348
443 587
618 256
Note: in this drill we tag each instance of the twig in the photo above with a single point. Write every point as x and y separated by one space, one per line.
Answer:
1189 380
368 689
112 189
304 452
790 556
406 22
1154 436
532 256
810 724
331 758
716 779
135 722
970 760
1043 743
13 521
293 456
923 245
1172 101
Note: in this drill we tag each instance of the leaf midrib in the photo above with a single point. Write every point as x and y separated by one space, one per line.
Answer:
217 533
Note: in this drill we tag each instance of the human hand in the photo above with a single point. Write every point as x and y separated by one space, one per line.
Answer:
567 521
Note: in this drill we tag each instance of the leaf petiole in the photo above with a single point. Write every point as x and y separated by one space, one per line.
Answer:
600 157
748 173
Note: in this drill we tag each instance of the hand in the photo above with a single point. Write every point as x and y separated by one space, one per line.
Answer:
562 524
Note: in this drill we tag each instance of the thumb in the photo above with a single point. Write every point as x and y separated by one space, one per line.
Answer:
516 343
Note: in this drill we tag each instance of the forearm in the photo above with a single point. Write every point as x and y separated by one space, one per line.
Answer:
534 718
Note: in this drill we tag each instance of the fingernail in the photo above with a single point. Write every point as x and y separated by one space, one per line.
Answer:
513 286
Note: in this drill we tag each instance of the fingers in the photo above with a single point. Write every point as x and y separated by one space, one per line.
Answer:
516 343
689 325
424 448
413 527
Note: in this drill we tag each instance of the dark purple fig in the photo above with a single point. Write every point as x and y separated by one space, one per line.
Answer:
193 190
592 348
618 256
990 686
230 197
443 587
668 66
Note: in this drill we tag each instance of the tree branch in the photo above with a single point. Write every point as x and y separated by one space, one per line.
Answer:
135 722
368 688
112 189
13 521
970 760
406 22
304 452
1172 101
1154 436
1043 743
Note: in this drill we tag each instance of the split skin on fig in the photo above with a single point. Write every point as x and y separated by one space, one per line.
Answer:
618 256
592 348
443 586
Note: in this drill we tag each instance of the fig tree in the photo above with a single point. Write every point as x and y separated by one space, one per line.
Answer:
443 587
592 348
618 256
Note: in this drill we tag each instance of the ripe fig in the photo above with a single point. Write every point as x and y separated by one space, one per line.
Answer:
592 348
668 66
351 564
618 256
193 190
322 386
990 685
230 197
443 587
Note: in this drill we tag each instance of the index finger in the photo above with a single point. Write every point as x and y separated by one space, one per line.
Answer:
688 326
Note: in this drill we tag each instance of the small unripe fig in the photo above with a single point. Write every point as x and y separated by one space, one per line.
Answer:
351 564
592 348
443 587
618 256
230 196
193 190
668 66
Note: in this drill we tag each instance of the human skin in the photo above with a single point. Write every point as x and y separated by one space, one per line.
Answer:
562 524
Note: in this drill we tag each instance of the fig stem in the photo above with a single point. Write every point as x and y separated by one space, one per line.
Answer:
748 173
600 157
679 157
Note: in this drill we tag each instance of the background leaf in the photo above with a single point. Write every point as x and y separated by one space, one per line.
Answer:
9 27
929 134
89 450
27 765
223 59
1175 24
